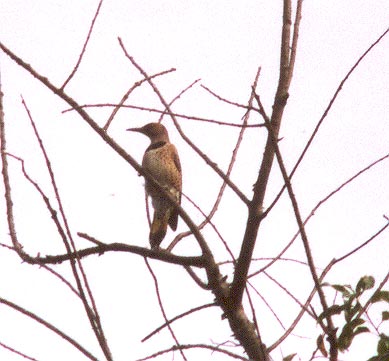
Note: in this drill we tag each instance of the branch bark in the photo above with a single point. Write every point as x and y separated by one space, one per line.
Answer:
255 207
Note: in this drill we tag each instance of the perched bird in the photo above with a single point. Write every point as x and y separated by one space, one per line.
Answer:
162 162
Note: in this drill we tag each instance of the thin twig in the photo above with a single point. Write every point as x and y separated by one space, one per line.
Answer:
84 47
235 104
304 309
197 279
178 96
186 313
49 326
326 112
11 349
178 115
381 230
129 91
186 347
266 303
163 308
232 162
252 308
295 299
318 205
188 233
335 97
93 317
331 330
307 303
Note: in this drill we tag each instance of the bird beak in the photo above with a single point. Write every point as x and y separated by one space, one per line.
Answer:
139 130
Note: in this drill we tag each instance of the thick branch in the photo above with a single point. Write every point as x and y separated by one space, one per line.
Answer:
119 247
256 205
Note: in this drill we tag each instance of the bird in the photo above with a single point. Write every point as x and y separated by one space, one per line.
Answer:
162 162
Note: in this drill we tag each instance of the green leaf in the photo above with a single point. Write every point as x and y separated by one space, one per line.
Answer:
348 333
289 357
385 315
349 311
332 310
362 329
344 289
380 296
356 322
355 309
344 341
374 358
321 346
345 338
383 345
365 283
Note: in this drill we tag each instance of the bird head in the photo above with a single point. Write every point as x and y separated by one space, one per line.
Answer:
155 131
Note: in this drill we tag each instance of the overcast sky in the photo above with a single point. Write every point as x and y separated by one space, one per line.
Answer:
222 43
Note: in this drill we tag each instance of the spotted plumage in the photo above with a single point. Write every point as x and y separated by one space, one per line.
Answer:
162 162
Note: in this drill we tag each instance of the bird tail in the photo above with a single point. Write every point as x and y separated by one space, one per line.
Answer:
158 228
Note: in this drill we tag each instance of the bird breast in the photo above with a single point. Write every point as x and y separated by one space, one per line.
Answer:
159 162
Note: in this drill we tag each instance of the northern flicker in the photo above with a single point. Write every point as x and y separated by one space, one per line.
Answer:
162 162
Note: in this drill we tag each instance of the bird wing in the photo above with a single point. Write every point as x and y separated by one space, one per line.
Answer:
176 158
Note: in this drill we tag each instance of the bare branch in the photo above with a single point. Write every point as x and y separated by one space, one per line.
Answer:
232 162
253 313
295 299
185 347
83 48
256 205
11 349
178 96
49 326
7 186
125 96
293 48
331 330
91 311
159 254
219 97
197 279
193 310
188 233
329 106
381 230
301 313
318 205
266 303
163 309
178 115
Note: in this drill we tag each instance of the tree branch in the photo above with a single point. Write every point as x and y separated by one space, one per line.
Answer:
49 326
84 47
256 205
